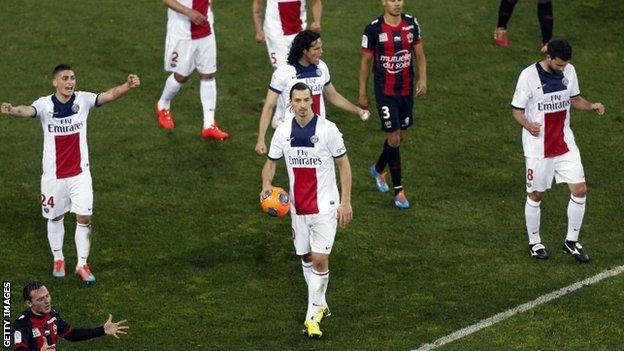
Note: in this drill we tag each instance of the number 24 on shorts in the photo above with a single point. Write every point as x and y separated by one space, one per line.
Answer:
47 201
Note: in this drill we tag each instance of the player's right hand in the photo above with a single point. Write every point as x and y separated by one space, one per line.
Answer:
197 18
364 114
364 101
6 108
266 191
261 148
534 128
260 37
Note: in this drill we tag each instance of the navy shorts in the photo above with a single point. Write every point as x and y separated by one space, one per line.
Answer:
395 112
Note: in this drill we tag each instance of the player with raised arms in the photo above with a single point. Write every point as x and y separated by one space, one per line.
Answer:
66 184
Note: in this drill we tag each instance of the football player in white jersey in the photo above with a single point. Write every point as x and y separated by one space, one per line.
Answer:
541 105
66 179
310 146
190 46
283 19
304 65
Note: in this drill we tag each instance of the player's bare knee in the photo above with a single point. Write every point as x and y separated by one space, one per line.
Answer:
320 262
307 258
579 190
83 220
180 78
394 139
536 196
207 76
59 218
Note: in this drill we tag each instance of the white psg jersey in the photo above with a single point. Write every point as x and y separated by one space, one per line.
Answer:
315 76
179 26
284 17
309 153
546 99
65 151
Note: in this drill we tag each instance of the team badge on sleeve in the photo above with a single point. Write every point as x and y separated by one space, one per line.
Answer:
364 41
17 337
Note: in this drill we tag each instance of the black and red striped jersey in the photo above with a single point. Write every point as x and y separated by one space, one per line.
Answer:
392 47
31 330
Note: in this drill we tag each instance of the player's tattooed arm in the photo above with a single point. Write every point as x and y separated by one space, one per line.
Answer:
268 172
257 10
317 12
193 15
265 119
579 103
345 212
115 93
533 127
17 111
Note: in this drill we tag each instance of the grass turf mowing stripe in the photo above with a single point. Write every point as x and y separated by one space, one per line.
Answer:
519 309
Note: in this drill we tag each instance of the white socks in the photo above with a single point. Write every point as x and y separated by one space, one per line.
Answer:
576 211
83 243
208 95
56 233
172 87
307 270
532 217
317 286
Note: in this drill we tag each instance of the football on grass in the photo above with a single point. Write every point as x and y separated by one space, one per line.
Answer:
275 202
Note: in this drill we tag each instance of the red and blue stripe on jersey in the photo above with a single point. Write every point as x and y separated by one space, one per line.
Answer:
290 16
67 146
305 181
554 122
203 30
392 50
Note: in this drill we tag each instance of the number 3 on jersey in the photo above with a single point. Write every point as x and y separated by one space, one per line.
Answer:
49 202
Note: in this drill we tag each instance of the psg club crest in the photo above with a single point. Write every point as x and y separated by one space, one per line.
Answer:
75 108
314 139
318 72
565 81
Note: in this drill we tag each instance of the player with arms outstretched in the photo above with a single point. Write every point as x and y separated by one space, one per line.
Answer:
389 43
66 180
541 105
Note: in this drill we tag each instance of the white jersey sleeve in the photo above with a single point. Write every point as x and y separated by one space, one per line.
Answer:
573 81
280 78
276 150
40 106
335 142
523 93
326 76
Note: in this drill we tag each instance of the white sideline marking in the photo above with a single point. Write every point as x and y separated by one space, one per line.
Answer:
519 309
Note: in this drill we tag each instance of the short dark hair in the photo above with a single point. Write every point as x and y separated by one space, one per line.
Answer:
61 67
560 48
28 289
302 41
300 86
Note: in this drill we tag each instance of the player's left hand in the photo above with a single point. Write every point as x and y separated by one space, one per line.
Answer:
364 114
266 191
316 27
260 37
112 328
344 214
133 81
421 88
6 108
598 108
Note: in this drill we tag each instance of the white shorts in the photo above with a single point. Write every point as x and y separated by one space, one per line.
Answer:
59 196
278 48
183 56
315 232
566 168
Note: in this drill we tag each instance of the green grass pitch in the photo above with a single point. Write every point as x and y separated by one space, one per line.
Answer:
181 250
